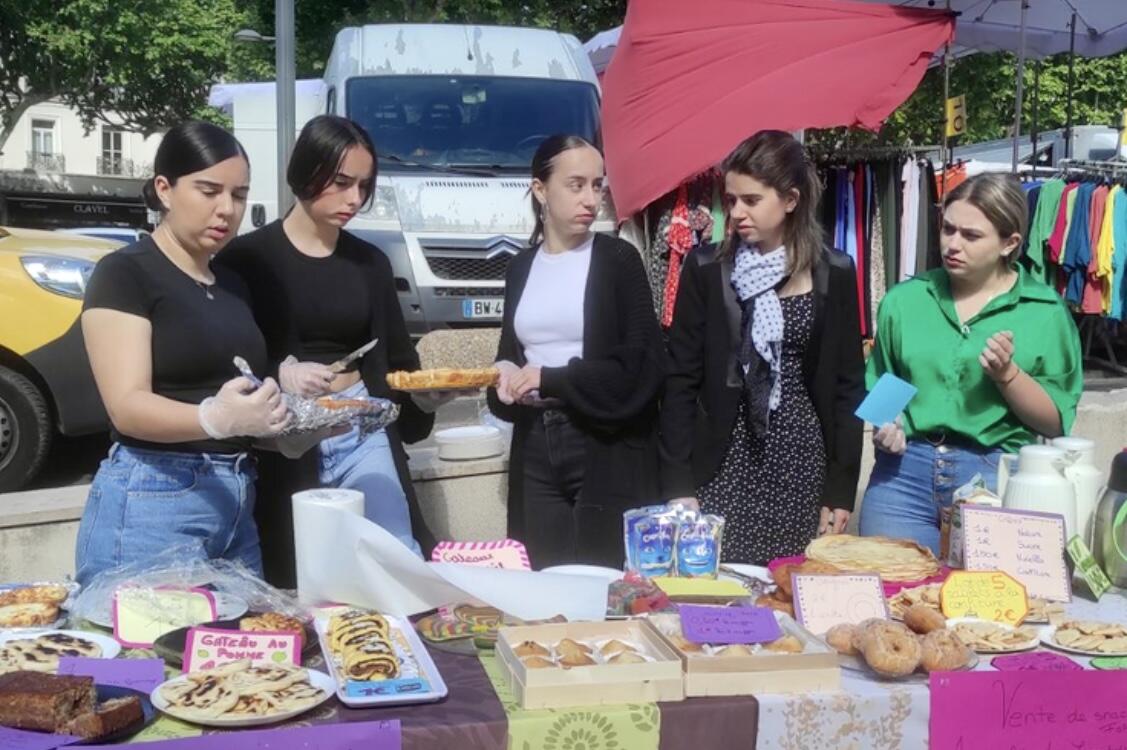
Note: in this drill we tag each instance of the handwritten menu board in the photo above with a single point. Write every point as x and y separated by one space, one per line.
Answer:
1024 710
1028 546
820 601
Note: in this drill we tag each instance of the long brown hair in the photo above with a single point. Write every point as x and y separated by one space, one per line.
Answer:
776 159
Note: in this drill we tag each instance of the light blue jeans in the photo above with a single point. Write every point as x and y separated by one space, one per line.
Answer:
906 492
365 463
145 502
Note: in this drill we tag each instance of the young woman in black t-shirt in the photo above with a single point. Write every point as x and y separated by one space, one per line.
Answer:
162 327
318 294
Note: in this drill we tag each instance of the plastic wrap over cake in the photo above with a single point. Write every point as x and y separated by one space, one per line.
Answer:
311 414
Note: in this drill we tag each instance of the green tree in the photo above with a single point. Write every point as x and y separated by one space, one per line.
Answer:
987 81
150 62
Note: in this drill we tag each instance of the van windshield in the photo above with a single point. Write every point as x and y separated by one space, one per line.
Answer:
469 121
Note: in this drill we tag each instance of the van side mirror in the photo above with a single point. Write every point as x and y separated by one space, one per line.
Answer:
258 215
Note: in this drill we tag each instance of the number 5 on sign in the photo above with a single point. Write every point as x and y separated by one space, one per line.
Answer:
988 595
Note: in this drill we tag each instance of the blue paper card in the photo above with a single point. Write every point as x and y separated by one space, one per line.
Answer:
886 400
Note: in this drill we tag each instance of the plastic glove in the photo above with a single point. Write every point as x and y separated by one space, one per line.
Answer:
296 446
507 370
239 409
890 438
308 379
429 401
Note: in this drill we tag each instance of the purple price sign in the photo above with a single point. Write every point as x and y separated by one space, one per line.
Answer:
1042 661
729 624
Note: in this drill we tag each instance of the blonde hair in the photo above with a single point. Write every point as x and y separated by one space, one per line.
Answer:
776 159
1001 200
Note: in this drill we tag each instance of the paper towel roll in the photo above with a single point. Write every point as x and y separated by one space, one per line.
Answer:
315 544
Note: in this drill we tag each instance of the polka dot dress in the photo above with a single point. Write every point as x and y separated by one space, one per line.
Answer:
769 489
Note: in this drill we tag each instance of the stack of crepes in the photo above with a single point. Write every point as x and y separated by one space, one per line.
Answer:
362 647
893 559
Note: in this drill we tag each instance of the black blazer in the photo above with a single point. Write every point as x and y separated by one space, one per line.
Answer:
611 392
703 388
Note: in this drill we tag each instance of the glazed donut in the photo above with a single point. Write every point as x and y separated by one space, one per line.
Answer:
840 637
942 651
891 650
772 602
923 619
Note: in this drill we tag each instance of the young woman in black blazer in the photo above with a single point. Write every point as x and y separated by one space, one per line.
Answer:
581 361
765 365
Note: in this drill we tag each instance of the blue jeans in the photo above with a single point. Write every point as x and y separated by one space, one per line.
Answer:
144 502
365 463
906 492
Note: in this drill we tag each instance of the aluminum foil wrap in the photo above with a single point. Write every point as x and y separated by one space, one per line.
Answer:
309 414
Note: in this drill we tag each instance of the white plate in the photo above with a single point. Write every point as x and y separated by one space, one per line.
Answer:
1027 646
317 679
755 571
857 664
110 647
227 607
597 571
426 668
1047 633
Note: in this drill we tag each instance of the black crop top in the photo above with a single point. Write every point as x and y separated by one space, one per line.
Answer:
195 336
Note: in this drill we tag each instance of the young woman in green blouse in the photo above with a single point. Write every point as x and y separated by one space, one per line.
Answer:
994 353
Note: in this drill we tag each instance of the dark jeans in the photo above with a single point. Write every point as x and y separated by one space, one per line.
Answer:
554 513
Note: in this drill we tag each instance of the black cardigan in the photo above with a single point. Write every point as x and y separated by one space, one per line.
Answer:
253 257
703 389
611 392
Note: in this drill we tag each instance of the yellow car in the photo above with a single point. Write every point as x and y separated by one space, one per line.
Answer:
45 379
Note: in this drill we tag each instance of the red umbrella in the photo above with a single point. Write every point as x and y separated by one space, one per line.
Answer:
690 81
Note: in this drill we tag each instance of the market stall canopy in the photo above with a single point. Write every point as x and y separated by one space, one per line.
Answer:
995 25
685 88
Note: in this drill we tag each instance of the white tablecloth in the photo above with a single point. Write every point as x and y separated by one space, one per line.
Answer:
869 714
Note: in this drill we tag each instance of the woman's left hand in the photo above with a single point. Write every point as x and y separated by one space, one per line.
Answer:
997 358
832 521
525 380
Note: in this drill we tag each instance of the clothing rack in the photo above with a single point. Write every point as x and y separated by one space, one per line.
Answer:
845 154
1094 329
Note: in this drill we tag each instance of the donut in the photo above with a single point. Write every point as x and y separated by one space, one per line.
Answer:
891 651
942 651
772 602
840 637
867 627
923 619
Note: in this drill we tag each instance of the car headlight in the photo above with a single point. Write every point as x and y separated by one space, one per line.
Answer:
384 205
65 276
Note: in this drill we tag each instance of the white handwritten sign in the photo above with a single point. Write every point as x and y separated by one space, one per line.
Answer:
1029 546
822 601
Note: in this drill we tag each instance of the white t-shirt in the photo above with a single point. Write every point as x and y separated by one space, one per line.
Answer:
549 316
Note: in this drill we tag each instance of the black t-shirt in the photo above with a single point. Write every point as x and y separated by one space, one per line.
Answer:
328 301
197 331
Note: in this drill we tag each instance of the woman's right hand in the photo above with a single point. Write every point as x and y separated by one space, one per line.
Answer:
890 438
241 410
308 379
507 370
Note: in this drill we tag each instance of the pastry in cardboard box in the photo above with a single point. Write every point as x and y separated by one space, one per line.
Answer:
530 648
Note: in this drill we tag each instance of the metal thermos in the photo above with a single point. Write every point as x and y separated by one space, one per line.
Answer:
1110 538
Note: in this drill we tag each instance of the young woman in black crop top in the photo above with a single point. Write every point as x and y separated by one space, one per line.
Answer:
162 327
318 294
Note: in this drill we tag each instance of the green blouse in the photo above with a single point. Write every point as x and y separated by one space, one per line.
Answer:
919 339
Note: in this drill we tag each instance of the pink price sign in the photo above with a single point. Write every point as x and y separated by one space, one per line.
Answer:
1028 710
506 553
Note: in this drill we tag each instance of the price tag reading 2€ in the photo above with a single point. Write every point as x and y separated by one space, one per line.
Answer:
988 595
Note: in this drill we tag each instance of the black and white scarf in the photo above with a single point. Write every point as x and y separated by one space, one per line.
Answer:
755 276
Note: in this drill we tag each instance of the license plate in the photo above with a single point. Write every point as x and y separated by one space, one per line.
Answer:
483 308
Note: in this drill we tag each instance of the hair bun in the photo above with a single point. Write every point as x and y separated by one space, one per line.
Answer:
149 195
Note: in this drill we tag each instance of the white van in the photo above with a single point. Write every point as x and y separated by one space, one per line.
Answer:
456 113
